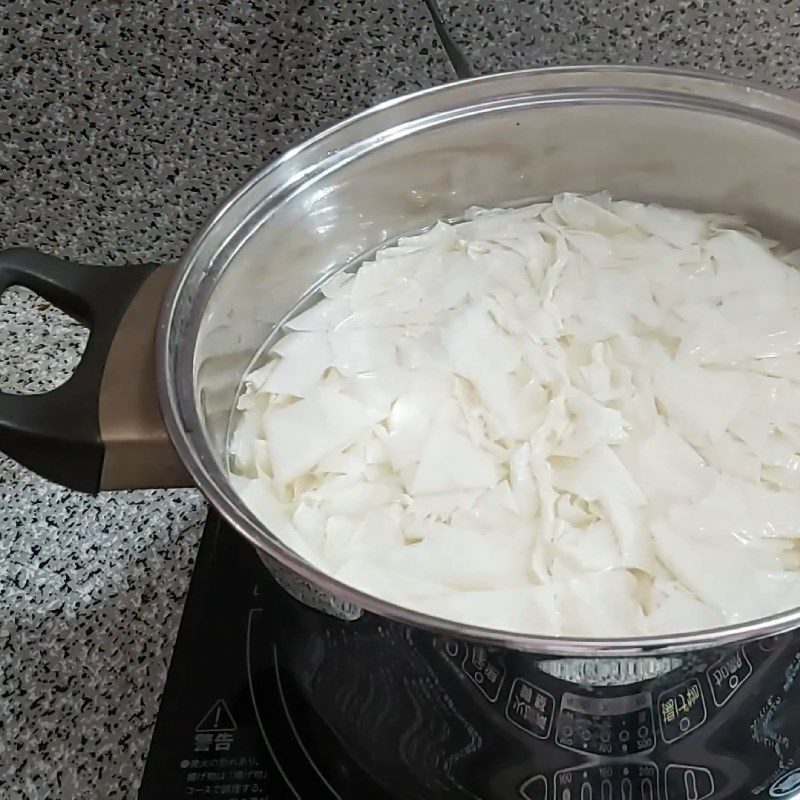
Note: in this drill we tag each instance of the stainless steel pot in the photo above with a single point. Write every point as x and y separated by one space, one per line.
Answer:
688 140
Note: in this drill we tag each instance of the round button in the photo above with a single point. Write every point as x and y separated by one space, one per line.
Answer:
787 785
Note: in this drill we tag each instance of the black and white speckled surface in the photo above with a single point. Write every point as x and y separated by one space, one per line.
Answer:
754 39
122 125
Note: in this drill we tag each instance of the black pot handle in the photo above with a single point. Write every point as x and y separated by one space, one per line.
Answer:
60 434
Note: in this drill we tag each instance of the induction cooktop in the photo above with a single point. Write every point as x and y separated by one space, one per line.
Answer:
268 699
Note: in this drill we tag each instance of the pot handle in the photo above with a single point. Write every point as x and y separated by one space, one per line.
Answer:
102 428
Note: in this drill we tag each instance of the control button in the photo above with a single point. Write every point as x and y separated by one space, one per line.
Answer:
483 672
787 785
688 783
769 644
638 781
530 708
451 648
534 788
616 726
727 675
681 710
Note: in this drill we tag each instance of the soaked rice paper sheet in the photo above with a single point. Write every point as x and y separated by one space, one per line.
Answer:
577 418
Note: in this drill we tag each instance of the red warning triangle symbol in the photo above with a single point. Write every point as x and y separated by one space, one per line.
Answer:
218 718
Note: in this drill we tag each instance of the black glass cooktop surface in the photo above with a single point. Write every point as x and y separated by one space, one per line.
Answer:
267 699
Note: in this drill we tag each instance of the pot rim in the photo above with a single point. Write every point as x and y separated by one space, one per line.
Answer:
211 479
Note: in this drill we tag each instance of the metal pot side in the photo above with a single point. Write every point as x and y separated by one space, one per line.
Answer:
688 140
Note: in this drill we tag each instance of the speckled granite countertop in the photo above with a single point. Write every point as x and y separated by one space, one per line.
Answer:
122 125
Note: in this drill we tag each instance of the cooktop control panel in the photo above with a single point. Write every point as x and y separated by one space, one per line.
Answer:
641 781
611 726
616 735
